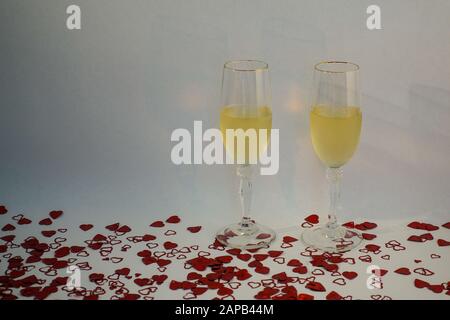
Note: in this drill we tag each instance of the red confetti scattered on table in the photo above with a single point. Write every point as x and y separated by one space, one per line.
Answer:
86 227
173 219
55 214
3 210
35 261
157 224
314 219
194 229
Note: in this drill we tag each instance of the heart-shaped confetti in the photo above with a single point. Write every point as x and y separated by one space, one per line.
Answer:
368 236
55 214
3 210
173 219
23 221
289 239
169 245
157 224
313 219
403 271
221 274
194 229
262 270
8 227
350 275
48 233
333 295
315 286
86 227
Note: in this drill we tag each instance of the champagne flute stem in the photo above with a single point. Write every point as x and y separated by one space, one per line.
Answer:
244 172
334 176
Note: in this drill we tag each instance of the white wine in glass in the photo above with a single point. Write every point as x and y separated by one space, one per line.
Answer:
246 100
235 117
335 126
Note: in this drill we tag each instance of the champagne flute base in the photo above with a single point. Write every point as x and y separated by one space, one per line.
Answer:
253 236
339 239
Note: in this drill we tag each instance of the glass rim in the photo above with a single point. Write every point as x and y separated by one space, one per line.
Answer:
234 65
353 67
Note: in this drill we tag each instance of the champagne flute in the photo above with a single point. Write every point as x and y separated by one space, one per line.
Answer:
335 126
246 100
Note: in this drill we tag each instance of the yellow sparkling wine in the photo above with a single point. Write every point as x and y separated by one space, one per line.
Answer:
335 133
238 117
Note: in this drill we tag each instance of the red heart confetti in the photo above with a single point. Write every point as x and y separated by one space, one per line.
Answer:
123 229
274 253
113 227
436 288
234 251
313 218
368 236
244 256
46 222
260 257
349 225
55 214
350 275
48 233
262 270
315 286
422 226
169 245
86 227
23 221
173 219
420 283
3 210
416 238
219 273
427 236
8 227
372 247
157 224
8 238
294 263
333 295
62 252
365 226
194 229
380 272
289 239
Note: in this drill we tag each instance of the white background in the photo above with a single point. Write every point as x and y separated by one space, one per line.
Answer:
86 116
